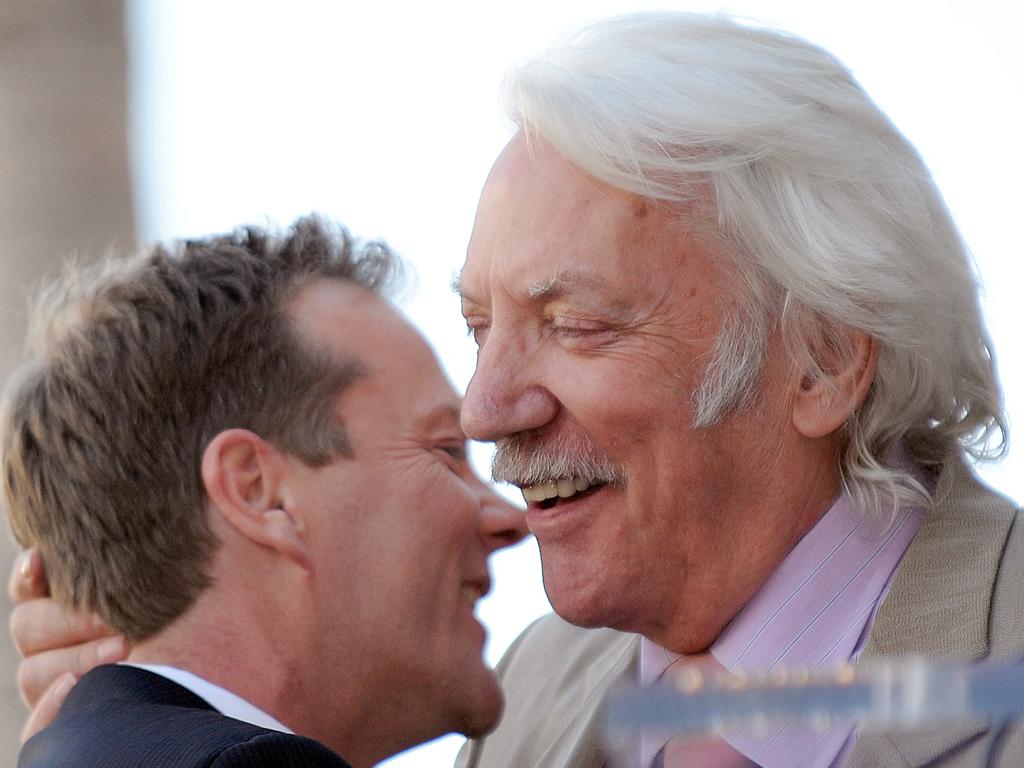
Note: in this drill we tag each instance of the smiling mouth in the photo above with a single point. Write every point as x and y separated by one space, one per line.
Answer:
549 494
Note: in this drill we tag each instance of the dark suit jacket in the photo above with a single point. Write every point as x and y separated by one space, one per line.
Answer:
125 717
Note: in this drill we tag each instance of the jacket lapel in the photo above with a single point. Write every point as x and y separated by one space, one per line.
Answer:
938 607
586 731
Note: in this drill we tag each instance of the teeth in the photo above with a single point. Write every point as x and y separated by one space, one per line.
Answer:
563 488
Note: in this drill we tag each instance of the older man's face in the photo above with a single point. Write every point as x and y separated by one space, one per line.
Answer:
595 313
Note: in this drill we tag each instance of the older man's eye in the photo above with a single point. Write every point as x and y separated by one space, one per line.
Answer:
477 328
571 328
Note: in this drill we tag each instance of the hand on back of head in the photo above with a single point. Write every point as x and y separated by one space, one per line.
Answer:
58 646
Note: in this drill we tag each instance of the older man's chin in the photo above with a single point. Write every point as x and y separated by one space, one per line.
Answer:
577 593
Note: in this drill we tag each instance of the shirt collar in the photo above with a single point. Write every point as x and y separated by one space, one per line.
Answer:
815 610
221 699
815 607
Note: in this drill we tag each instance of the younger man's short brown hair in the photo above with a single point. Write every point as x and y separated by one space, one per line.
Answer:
137 365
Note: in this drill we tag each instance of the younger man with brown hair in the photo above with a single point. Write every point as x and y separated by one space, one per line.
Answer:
243 459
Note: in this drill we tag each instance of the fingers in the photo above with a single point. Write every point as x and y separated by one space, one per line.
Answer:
45 711
58 644
37 673
42 625
28 577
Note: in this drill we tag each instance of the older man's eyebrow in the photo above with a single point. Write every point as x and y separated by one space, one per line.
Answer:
558 285
544 289
548 289
587 290
586 286
456 284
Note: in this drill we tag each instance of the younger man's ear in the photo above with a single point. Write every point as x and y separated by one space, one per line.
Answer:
826 398
244 479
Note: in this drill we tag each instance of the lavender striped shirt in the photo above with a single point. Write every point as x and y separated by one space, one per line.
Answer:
815 610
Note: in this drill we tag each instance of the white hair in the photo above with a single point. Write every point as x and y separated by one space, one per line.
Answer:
828 217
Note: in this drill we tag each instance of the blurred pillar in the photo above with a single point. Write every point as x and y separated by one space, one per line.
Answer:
64 181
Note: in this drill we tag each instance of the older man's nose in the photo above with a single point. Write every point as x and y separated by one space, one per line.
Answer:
505 395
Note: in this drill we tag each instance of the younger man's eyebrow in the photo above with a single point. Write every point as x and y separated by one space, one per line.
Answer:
442 416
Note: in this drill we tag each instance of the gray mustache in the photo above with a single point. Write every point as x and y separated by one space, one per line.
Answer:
524 460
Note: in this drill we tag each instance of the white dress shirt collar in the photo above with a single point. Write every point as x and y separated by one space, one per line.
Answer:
221 699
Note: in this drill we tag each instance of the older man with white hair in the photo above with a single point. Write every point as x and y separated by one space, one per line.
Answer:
730 348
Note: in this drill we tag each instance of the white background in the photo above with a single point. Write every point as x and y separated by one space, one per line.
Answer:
386 116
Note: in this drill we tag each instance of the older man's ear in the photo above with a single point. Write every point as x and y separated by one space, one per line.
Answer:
245 478
826 398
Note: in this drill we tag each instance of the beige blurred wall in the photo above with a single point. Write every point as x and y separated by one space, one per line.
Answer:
64 183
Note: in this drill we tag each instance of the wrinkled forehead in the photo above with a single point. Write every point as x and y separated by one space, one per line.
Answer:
540 178
543 221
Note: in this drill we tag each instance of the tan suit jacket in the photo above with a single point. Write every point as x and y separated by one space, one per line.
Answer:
959 594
